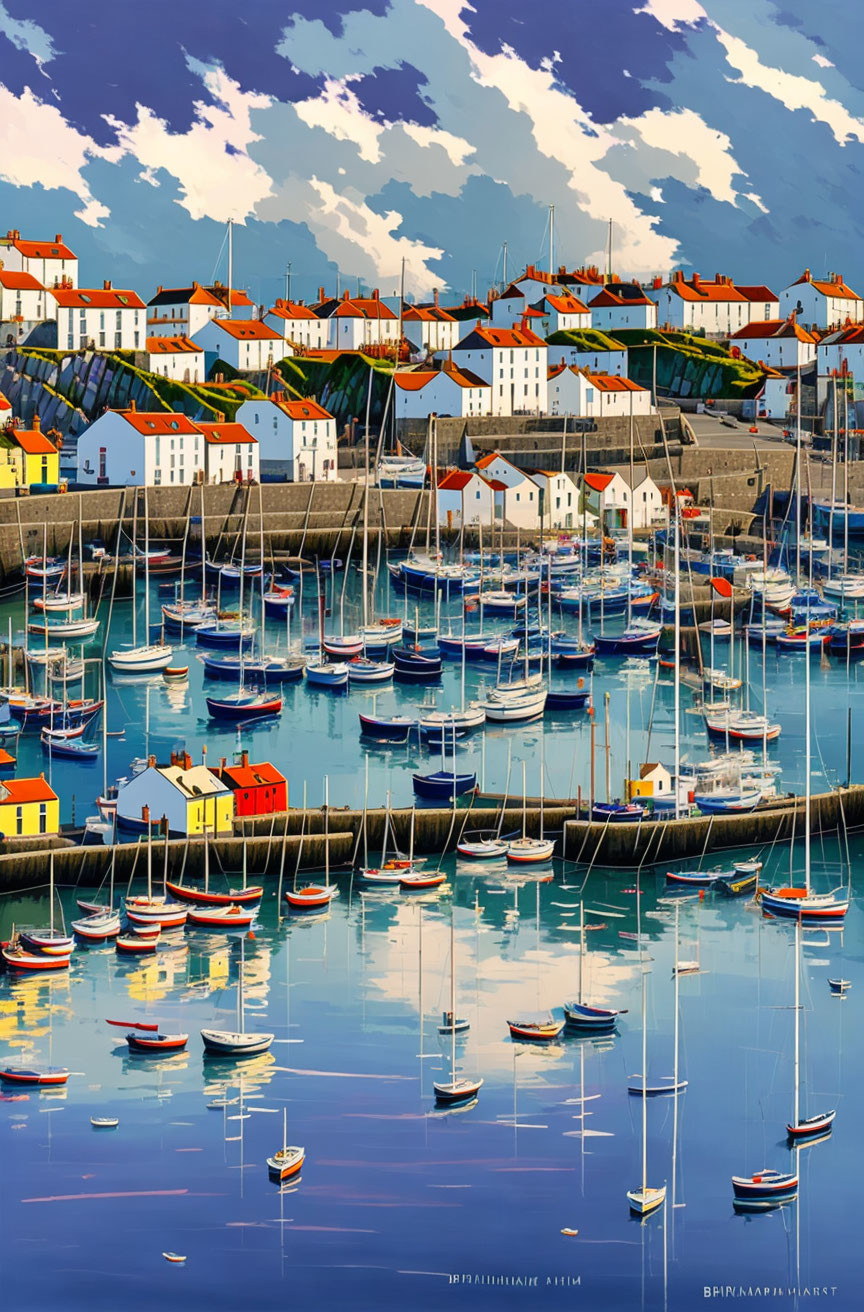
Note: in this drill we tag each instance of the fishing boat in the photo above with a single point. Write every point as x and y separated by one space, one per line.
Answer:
385 631
289 1159
327 674
449 1026
239 1043
839 985
175 673
438 724
342 647
230 916
567 699
73 629
421 879
278 600
314 896
181 615
728 801
401 471
174 1257
539 1029
98 927
482 849
803 1127
415 665
582 1015
46 1076
68 749
520 708
221 632
104 1122
444 785
249 896
640 639
48 940
144 911
155 1044
363 670
617 812
244 705
390 728
59 601
18 958
134 945
457 1089
742 726
696 878
742 880
645 1199
767 1188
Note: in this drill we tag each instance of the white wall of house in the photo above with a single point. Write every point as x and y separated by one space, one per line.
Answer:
111 451
224 460
598 362
300 329
32 304
517 376
442 395
714 317
520 504
246 354
777 352
50 270
501 470
572 392
108 329
814 306
473 504
182 317
182 366
559 505
294 450
608 318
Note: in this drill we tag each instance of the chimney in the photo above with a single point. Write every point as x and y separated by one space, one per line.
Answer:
187 761
106 286
320 293
806 275
151 760
145 814
223 762
58 237
656 284
375 295
132 405
36 423
695 280
435 297
244 759
678 275
345 294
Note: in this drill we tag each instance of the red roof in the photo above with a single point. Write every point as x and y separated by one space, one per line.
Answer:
238 296
14 792
226 434
4 403
833 286
599 482
759 292
613 383
773 328
250 776
194 295
701 289
485 461
496 484
567 304
43 250
165 423
303 410
247 329
427 313
33 442
455 481
610 297
24 282
851 336
483 335
172 346
292 310
97 298
412 380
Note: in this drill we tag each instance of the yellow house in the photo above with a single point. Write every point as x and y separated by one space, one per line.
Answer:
654 781
188 796
28 807
40 459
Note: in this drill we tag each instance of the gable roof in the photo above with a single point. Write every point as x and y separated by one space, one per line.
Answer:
483 336
412 380
159 422
42 250
758 292
33 442
427 313
97 298
250 776
230 434
246 329
357 307
621 293
302 409
566 303
599 482
852 335
14 792
172 346
779 328
832 286
239 297
485 461
194 295
612 382
194 782
703 289
456 480
23 282
292 310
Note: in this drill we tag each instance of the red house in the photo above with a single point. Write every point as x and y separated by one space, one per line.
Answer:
258 789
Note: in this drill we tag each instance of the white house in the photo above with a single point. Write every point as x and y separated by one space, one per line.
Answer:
587 395
297 324
190 797
296 439
449 390
235 302
230 454
175 357
610 498
356 321
560 312
140 448
559 499
465 498
764 304
777 397
699 305
246 344
181 311
102 318
24 300
51 263
498 468
430 327
512 361
597 361
518 504
821 302
622 305
779 343
843 350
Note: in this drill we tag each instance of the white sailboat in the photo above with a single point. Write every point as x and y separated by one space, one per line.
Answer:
149 656
646 1198
239 1042
455 1089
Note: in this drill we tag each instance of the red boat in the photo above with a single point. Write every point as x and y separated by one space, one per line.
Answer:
228 917
155 911
422 879
243 897
134 944
141 1042
314 895
17 959
45 1075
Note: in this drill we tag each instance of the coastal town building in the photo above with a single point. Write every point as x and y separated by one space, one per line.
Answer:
622 305
181 311
24 302
843 351
230 454
512 361
559 312
175 357
464 499
779 343
138 448
587 395
35 457
596 352
189 797
296 439
821 302
353 322
28 808
445 391
247 345
51 263
298 325
259 789
516 497
430 327
610 498
102 318
559 499
714 307
764 304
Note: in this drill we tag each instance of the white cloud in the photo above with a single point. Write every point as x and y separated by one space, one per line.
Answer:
338 111
683 132
456 148
657 196
755 199
822 61
55 153
210 161
27 35
673 14
791 89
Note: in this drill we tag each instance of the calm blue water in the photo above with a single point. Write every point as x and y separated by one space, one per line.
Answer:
398 1202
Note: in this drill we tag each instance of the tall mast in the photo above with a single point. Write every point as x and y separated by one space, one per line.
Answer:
364 584
504 265
677 641
644 1043
797 1013
551 241
453 995
230 261
797 478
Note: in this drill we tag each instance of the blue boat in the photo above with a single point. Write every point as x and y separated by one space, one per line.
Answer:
274 669
617 812
566 700
581 1016
224 633
327 674
636 641
444 785
414 665
71 750
243 706
822 518
473 646
389 728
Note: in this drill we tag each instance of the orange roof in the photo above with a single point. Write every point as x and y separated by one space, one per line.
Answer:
482 335
701 289
567 304
773 328
851 336
14 792
165 423
249 776
427 313
485 461
610 296
496 484
238 296
33 442
613 383
247 329
172 346
44 250
759 292
412 380
833 286
303 410
226 434
463 377
292 310
24 282
194 295
97 298
599 482
455 481
4 403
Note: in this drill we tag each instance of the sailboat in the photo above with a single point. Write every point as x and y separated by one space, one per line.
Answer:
455 1089
801 1128
50 940
313 896
388 872
530 851
580 1014
151 655
247 896
289 1159
413 879
646 1198
150 910
239 1043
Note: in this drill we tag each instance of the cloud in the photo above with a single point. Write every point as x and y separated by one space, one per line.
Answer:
56 153
455 148
27 35
673 14
683 132
338 111
217 177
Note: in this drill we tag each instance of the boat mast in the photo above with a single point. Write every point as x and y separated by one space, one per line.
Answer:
146 573
230 261
644 1045
452 996
676 695
797 1015
326 831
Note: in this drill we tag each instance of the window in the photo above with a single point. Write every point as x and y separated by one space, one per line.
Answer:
43 817
19 820
102 461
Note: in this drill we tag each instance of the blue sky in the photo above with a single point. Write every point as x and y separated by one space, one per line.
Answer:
718 135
